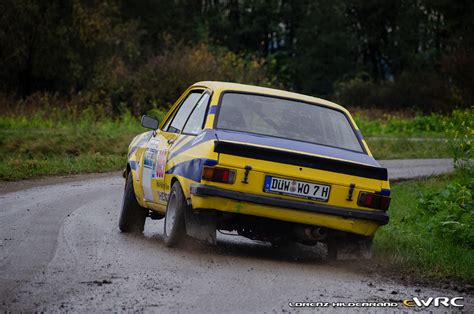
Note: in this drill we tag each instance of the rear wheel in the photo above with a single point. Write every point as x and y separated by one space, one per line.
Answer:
175 229
132 218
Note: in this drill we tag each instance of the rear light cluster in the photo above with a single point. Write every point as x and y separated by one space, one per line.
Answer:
372 200
217 174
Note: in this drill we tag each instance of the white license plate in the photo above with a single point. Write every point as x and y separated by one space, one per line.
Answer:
297 188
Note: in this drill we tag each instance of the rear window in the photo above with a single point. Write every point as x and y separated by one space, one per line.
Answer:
289 119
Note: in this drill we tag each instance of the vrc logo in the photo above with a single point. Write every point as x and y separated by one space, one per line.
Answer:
437 302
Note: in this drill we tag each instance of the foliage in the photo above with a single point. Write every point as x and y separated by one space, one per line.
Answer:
460 131
432 125
431 225
163 77
422 90
449 212
61 46
430 230
407 148
325 51
411 53
395 135
64 141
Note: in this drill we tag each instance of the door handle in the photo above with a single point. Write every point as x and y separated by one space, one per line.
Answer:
170 141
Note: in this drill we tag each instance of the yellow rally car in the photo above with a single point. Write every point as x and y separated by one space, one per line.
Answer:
270 165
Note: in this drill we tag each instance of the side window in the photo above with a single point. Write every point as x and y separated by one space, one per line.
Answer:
182 113
196 120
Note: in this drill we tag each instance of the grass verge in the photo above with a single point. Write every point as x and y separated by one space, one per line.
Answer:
408 148
432 242
43 145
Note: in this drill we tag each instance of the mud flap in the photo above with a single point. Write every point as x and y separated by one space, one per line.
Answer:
201 225
350 248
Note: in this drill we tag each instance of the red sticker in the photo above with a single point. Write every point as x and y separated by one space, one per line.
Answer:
161 163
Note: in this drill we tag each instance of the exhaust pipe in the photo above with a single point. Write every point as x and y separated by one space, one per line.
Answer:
316 233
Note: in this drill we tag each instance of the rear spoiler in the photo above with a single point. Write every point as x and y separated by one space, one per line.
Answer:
302 160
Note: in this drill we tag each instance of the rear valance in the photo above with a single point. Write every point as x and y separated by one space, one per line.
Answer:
298 159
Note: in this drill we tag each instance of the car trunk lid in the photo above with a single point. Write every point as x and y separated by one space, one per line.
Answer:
300 161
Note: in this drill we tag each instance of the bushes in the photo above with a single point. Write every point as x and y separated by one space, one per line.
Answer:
425 91
418 125
460 129
449 212
431 220
164 77
429 233
157 83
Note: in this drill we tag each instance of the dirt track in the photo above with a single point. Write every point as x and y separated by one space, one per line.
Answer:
61 251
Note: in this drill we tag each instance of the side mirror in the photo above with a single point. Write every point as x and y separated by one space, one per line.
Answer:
149 122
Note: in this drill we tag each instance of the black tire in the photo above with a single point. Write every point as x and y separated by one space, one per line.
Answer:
132 218
175 229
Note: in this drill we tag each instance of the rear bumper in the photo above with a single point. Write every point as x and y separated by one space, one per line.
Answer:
378 217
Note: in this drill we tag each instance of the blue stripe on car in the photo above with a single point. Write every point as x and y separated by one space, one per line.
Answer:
384 192
191 169
207 135
213 110
133 164
180 140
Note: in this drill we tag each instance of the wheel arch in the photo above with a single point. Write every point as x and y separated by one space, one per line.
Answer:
183 183
173 180
131 165
128 169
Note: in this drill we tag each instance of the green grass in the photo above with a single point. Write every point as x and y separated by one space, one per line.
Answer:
412 243
17 168
57 143
400 136
432 125
30 153
404 148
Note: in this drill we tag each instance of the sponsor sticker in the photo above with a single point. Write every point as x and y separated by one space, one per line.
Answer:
163 196
160 167
153 143
148 159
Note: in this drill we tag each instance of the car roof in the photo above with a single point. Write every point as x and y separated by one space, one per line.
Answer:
217 86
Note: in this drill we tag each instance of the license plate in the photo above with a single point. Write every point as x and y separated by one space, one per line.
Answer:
297 188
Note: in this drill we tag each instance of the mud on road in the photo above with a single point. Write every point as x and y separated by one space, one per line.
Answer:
61 250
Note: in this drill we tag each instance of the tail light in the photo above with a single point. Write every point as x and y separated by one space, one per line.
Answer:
217 174
372 200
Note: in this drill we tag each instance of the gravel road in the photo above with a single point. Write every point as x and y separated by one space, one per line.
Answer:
60 250
402 169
